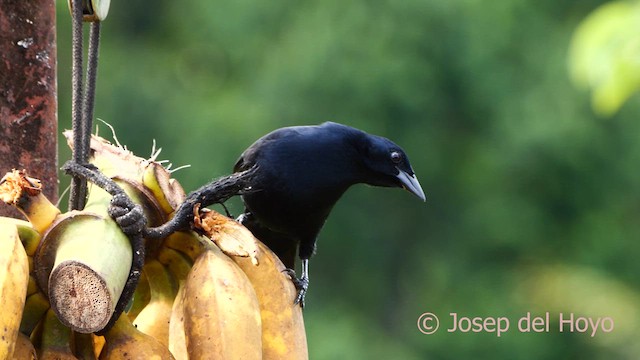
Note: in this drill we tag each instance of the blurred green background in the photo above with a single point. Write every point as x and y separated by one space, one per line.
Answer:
533 193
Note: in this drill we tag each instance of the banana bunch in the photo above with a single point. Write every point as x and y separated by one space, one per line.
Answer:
214 292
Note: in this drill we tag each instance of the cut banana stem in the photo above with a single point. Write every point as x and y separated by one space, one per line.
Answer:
84 263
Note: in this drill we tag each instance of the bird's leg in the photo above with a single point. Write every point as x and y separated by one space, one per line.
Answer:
302 283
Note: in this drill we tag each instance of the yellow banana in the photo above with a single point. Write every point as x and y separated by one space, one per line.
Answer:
178 264
188 243
32 286
168 192
221 311
24 349
56 339
14 279
29 237
153 320
283 333
141 297
98 344
25 193
177 339
124 341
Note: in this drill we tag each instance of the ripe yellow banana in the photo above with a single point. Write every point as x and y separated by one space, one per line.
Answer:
283 333
29 237
14 279
153 320
141 297
168 192
32 286
221 311
177 339
188 243
178 264
98 345
124 341
24 348
25 193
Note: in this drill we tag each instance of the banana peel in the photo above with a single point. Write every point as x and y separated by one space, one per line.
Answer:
230 236
14 280
283 332
221 311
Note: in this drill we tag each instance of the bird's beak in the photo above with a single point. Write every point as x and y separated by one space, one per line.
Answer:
411 184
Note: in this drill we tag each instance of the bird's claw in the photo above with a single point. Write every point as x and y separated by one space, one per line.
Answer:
127 215
301 284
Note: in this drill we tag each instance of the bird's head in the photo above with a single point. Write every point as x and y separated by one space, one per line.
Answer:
388 165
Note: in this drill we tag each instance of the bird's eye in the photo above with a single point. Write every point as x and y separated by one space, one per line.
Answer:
396 158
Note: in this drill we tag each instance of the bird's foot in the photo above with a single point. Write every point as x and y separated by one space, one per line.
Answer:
301 284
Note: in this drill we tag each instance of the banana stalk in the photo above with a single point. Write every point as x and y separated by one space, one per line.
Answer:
84 275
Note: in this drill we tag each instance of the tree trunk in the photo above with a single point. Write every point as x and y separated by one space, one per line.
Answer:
28 92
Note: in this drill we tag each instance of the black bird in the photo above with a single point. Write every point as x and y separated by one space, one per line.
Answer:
301 173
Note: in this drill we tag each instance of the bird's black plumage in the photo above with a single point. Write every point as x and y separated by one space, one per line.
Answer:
301 173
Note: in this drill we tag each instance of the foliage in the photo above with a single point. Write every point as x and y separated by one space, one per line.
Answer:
522 180
605 54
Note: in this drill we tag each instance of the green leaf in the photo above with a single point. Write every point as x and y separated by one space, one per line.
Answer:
604 55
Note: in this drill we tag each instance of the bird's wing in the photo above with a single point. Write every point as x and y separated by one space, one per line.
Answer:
249 157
